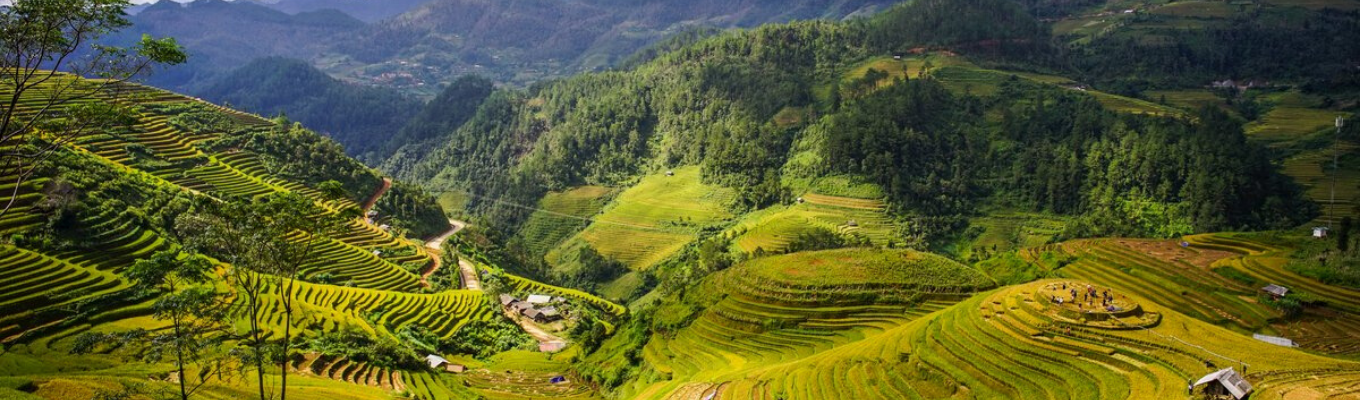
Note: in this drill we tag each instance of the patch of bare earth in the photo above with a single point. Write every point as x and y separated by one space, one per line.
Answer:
1172 252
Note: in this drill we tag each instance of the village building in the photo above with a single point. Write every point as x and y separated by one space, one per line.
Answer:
1276 291
1319 232
538 299
507 300
548 314
1224 382
437 362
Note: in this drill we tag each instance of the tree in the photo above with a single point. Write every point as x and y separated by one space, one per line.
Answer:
226 231
187 300
1343 234
41 41
267 242
281 217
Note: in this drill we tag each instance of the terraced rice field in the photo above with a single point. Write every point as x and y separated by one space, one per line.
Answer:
1328 330
1196 9
1191 289
1189 100
1192 282
784 309
512 375
1291 122
1009 344
49 297
1313 171
1009 232
562 214
773 229
655 218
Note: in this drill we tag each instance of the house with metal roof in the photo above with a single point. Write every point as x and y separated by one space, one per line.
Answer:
1276 290
1225 382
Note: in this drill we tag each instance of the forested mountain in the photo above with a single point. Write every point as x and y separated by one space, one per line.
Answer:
364 10
755 108
364 119
221 36
527 41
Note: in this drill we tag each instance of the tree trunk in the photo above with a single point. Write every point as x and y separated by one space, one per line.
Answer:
285 297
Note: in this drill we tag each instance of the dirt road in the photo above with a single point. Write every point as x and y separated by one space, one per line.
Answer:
386 184
547 342
465 268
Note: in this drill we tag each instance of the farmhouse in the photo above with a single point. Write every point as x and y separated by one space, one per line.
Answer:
437 362
1224 382
1276 291
539 299
1319 232
549 314
507 300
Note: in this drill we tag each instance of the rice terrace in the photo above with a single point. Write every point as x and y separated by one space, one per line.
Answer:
749 199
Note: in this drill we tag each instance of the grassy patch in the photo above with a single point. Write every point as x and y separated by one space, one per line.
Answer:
655 218
1196 9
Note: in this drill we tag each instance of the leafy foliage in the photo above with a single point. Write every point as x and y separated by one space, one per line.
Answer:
360 118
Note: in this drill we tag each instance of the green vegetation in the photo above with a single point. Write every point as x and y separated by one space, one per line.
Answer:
353 115
335 302
776 310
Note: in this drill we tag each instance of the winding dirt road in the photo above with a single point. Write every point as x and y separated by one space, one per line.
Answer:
386 184
465 268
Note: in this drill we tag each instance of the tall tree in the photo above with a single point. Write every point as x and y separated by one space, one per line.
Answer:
226 231
267 242
188 301
40 42
294 228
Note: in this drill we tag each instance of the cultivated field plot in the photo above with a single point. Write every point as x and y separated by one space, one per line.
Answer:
1289 122
773 229
49 297
1012 344
1218 279
562 214
961 76
1006 232
1313 170
796 307
519 283
655 218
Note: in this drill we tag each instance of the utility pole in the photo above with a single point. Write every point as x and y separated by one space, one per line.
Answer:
1336 156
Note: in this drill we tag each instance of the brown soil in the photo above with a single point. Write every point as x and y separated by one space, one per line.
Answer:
1172 252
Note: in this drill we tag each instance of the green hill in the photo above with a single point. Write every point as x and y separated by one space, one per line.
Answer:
106 202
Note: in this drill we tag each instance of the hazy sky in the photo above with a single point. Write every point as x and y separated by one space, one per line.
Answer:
7 2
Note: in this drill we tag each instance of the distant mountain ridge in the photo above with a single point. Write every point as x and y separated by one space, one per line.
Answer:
220 36
364 10
528 40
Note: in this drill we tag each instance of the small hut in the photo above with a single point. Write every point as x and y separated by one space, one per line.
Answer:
1276 291
539 299
548 314
436 361
507 300
1319 232
1225 382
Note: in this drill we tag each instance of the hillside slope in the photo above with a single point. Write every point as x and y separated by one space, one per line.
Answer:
86 222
